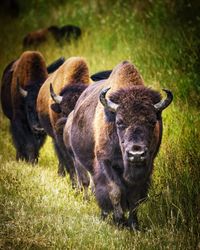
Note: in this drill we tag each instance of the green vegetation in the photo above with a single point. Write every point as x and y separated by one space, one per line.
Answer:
39 210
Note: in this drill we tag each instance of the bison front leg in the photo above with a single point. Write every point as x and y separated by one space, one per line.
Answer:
22 140
19 155
136 196
114 191
115 197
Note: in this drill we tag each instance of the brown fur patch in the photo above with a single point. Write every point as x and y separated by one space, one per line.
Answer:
137 95
30 69
123 75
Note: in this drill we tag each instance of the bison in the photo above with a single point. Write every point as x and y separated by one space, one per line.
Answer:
21 82
67 32
68 81
116 138
70 32
64 104
35 37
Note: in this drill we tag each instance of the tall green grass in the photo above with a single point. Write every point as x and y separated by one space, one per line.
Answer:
39 210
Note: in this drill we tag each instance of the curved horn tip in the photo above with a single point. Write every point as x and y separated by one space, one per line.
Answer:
105 90
168 92
102 96
163 104
108 104
170 96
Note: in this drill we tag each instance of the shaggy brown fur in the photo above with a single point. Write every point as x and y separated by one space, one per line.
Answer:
136 100
73 70
30 63
124 75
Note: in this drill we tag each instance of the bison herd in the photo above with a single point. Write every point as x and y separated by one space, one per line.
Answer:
106 128
66 33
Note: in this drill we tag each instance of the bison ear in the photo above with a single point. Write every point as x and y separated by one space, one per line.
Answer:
110 116
56 108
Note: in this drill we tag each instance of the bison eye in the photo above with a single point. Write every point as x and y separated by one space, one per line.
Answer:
120 124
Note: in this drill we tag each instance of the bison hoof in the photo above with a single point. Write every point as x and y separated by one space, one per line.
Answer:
119 221
104 215
61 173
133 226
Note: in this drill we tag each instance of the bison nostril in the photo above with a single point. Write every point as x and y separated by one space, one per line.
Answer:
135 153
138 153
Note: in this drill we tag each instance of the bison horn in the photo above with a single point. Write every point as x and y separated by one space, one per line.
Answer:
160 106
108 104
56 98
23 92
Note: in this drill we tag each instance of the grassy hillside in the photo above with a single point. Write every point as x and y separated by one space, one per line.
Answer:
39 210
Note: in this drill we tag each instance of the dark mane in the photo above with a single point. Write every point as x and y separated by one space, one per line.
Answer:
70 95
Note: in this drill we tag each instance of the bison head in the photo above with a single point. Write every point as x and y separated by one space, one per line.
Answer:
136 113
65 102
30 97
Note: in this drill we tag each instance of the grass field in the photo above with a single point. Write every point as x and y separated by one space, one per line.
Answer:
39 210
